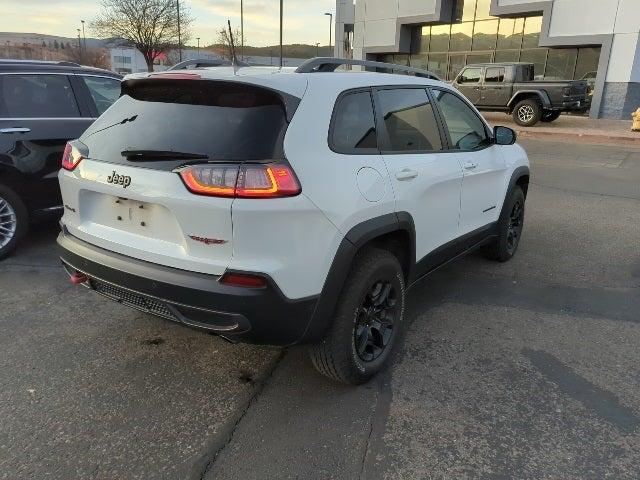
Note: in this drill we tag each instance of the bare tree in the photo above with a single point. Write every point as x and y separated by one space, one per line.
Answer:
93 57
224 40
151 26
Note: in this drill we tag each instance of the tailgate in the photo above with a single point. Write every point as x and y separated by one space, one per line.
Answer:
155 218
126 196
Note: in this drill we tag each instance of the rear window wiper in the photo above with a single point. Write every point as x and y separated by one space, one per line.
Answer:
150 155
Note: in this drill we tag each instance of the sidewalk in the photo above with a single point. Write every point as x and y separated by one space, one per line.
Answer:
573 128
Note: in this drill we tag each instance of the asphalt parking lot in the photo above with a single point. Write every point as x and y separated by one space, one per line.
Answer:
528 369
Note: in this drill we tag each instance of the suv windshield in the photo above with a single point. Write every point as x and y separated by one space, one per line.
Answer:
214 119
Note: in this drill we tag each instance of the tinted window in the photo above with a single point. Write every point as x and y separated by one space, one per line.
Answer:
222 120
104 91
354 126
470 75
466 130
410 121
494 75
37 96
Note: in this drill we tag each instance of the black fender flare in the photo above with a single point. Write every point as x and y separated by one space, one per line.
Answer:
517 174
353 241
542 95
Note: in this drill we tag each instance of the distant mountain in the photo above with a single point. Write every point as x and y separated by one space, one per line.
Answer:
19 39
297 50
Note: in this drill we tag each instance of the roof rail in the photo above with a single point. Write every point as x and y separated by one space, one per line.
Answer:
330 64
204 63
62 63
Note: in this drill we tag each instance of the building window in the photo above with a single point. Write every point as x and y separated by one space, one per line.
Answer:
439 38
461 35
485 35
122 59
532 29
561 63
477 37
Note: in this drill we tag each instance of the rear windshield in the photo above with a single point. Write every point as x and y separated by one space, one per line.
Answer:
219 120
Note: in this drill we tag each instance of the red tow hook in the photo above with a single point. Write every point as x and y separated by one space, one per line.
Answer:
78 278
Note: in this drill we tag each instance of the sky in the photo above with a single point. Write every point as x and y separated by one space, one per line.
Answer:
304 20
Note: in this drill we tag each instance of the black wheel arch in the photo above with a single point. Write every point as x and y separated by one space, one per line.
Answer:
540 95
393 231
519 178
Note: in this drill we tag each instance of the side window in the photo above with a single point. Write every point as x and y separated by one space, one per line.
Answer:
37 96
354 125
466 130
470 75
104 91
410 120
494 75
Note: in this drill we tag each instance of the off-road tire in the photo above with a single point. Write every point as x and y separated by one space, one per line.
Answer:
502 249
19 213
527 112
336 355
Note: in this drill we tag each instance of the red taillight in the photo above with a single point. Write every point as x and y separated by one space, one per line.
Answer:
71 157
243 280
244 181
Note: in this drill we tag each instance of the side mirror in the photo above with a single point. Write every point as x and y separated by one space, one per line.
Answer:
504 136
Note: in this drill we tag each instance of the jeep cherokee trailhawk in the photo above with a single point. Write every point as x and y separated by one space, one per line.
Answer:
287 207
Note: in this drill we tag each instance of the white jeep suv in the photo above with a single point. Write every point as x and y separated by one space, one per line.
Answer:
289 207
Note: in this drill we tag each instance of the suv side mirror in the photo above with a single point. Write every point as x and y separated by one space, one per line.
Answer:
504 136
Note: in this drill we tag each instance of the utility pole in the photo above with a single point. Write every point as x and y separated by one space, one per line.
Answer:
242 30
318 49
179 43
330 31
84 37
281 25
198 39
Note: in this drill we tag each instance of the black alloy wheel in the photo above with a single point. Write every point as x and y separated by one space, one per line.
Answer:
514 229
375 320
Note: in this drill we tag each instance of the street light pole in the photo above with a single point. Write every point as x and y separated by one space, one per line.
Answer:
281 25
179 43
79 46
84 37
330 31
242 30
198 39
318 49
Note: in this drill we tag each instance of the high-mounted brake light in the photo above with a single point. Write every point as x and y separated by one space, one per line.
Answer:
71 157
176 76
241 181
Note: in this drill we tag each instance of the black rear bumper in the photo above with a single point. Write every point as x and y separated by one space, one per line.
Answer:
263 316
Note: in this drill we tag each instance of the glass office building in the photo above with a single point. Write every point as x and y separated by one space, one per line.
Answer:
477 37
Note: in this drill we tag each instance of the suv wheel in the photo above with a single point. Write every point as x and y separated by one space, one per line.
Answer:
510 225
550 116
13 220
368 323
527 113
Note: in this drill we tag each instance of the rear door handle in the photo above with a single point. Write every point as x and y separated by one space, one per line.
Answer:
470 166
15 130
406 174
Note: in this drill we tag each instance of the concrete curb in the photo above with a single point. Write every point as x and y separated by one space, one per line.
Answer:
600 139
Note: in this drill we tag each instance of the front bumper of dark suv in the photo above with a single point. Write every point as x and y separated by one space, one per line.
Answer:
263 316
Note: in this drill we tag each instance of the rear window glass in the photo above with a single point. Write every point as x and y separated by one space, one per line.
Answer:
37 96
354 126
222 120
